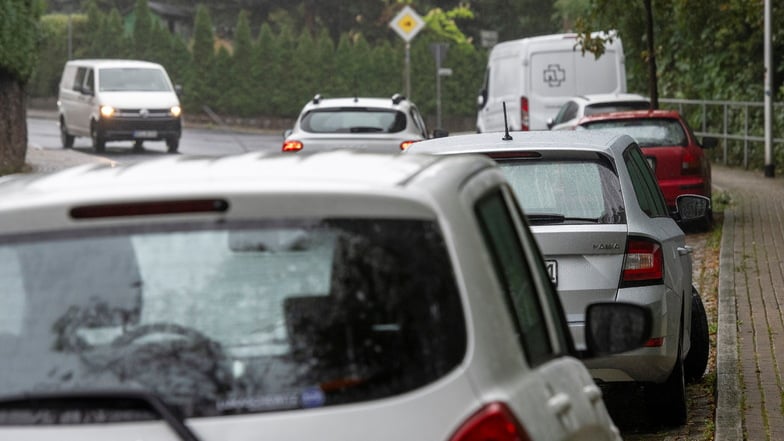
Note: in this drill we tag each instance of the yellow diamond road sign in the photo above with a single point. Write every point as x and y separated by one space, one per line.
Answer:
407 23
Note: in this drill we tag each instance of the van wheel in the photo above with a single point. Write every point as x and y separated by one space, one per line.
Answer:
172 144
99 143
66 138
697 359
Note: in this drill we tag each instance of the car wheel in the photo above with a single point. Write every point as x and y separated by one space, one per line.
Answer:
172 144
99 143
667 401
697 358
66 138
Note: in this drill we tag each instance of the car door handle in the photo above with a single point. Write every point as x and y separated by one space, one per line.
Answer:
593 393
559 403
685 250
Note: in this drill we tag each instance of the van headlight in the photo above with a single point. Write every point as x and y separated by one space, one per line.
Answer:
175 111
107 111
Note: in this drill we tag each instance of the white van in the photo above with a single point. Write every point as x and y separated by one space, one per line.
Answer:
114 100
535 76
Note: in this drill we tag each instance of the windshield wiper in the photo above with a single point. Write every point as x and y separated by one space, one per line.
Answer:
100 399
365 129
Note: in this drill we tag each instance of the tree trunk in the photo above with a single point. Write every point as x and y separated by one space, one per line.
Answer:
653 81
13 124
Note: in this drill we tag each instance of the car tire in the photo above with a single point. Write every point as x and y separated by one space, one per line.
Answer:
667 401
99 143
172 144
66 138
697 359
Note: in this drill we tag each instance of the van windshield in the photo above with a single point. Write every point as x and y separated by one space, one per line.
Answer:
135 79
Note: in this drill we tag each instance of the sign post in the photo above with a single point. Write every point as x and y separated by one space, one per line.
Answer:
407 23
439 51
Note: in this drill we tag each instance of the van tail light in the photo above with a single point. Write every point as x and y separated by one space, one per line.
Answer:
643 263
525 123
690 163
291 146
493 422
406 144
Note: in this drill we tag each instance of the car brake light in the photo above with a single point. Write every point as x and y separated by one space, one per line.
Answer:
406 144
524 121
292 146
690 163
643 263
493 422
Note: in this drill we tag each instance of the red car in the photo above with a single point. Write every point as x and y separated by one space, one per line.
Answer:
668 143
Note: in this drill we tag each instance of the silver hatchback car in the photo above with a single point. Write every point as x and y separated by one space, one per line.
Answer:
603 226
336 296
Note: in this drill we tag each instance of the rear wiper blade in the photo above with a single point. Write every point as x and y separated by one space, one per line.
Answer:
100 399
545 218
365 129
593 220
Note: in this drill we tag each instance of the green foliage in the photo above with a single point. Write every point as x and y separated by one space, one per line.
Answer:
444 24
19 37
200 91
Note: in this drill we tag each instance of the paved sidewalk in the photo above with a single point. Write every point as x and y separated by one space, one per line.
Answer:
750 349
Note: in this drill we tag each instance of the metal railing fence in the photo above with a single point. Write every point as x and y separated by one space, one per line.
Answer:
739 126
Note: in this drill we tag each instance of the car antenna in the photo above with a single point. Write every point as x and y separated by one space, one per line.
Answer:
506 137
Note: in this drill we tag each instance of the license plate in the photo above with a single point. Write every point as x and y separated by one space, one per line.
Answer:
552 270
145 134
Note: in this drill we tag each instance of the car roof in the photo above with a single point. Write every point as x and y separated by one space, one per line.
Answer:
394 102
100 63
631 114
337 171
599 141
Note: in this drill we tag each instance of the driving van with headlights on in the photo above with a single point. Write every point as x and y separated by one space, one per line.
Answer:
118 100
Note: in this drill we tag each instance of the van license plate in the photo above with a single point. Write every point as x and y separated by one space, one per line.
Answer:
145 134
552 270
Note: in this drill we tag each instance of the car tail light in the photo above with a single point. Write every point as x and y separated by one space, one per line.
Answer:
524 121
292 146
406 144
690 163
493 422
643 263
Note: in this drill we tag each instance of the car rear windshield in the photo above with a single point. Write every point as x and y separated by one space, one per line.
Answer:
228 319
593 109
133 79
648 132
354 120
566 190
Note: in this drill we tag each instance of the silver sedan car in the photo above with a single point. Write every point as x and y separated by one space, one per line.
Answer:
602 224
337 296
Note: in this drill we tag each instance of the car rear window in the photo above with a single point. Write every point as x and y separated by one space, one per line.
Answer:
580 190
353 120
593 109
228 319
648 132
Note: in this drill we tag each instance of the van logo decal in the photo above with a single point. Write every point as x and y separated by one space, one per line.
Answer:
554 75
144 113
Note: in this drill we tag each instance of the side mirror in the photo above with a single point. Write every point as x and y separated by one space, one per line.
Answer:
709 142
615 327
550 123
440 133
481 100
178 89
691 207
286 133
87 90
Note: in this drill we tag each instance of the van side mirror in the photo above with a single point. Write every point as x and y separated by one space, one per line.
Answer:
615 327
178 89
87 90
550 123
709 142
481 100
440 133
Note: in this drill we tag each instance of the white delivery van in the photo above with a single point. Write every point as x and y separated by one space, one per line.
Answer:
534 76
115 100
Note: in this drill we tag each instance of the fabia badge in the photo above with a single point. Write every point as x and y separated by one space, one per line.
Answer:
554 75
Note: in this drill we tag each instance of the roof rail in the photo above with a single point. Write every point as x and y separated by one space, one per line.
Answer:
317 98
397 98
